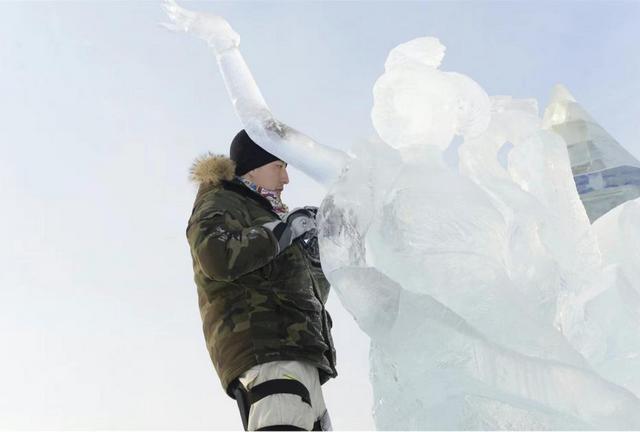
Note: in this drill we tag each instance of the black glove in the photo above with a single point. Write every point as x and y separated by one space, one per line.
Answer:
311 209
301 220
312 212
308 240
297 223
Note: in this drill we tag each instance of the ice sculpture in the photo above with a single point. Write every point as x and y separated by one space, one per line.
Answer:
481 286
616 309
605 173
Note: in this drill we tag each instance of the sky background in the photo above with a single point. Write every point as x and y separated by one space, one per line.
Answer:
102 112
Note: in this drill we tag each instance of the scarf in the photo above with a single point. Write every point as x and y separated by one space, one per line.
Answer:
279 207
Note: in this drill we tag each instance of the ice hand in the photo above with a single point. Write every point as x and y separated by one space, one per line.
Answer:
213 29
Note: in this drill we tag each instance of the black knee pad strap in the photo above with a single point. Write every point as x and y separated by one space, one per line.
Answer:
279 386
280 428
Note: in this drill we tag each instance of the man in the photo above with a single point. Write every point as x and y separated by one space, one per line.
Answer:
261 290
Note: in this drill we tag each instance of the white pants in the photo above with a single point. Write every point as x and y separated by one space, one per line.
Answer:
283 408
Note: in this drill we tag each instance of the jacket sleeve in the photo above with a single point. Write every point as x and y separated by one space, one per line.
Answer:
224 249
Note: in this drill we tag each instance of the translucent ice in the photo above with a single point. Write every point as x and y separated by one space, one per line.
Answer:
432 105
490 300
472 284
605 173
616 310
322 163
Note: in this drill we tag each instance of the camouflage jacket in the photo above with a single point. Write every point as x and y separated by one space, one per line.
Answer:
256 307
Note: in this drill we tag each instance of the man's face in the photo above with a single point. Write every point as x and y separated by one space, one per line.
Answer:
272 176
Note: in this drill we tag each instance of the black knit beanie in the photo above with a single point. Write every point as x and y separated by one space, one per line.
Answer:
247 154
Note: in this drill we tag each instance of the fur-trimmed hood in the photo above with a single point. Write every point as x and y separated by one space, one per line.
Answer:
212 169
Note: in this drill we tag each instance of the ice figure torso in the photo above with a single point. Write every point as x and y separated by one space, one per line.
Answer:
434 367
438 233
485 283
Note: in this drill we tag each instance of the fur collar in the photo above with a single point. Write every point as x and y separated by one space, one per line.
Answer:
212 169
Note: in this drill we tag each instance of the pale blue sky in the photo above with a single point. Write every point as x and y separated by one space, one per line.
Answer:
102 112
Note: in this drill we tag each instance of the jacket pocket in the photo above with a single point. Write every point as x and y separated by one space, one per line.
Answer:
297 300
302 318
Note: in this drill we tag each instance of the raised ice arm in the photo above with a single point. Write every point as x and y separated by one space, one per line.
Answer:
322 163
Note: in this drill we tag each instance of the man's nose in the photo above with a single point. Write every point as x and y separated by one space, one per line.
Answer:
285 176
